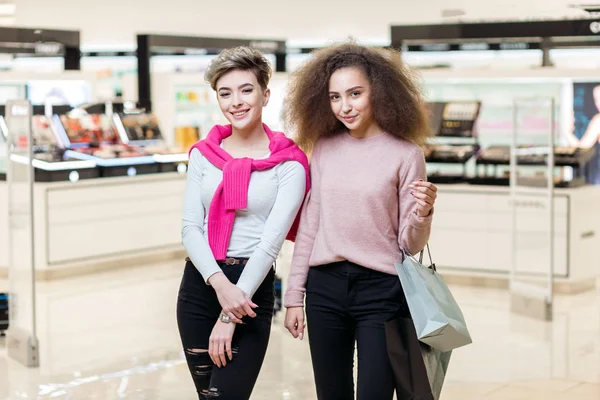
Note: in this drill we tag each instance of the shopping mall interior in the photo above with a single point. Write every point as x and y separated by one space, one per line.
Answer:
100 103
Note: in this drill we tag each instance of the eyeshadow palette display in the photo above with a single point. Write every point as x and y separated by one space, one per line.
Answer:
94 137
563 157
51 163
458 119
451 122
495 156
449 154
141 129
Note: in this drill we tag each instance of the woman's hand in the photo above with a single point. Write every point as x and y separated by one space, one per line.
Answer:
294 321
425 194
233 300
220 343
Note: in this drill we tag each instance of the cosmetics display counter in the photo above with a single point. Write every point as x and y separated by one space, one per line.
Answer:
572 157
51 163
453 125
101 223
137 128
94 137
132 210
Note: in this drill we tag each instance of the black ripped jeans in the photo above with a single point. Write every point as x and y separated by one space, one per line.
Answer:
197 312
348 304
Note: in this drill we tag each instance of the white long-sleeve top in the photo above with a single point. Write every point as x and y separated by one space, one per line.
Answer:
274 198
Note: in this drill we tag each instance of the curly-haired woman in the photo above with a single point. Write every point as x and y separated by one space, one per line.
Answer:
360 112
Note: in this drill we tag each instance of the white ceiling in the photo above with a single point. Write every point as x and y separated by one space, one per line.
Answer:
114 23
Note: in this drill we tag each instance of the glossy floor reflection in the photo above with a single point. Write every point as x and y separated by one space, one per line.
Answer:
114 336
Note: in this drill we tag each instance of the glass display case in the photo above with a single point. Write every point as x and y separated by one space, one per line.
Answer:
496 92
453 125
51 163
141 129
95 137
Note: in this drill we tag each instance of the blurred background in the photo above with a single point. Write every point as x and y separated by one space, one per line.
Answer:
109 97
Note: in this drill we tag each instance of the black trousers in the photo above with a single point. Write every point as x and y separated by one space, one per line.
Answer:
348 304
197 312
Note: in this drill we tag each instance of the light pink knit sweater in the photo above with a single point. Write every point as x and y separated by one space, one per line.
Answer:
360 208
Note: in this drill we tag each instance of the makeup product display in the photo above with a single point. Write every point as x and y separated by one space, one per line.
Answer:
95 137
51 162
141 129
458 119
490 159
446 154
453 125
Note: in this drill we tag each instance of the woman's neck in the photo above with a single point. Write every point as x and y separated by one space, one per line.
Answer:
366 132
251 137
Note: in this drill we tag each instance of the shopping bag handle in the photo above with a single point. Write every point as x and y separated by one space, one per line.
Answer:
428 252
432 266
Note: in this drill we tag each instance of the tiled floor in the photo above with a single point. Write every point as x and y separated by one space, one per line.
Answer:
113 336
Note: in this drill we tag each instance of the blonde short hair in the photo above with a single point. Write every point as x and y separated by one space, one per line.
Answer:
239 58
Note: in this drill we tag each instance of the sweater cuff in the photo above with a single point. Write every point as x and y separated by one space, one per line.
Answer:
210 274
421 222
293 298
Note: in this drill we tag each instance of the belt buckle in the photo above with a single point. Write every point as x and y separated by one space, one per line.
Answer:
230 261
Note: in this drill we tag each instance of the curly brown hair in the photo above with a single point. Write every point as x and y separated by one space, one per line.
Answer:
397 104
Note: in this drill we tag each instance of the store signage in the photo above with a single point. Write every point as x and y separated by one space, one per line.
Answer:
48 48
265 45
195 52
109 54
595 27
473 46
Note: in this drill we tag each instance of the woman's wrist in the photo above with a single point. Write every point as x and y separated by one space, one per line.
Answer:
218 281
426 215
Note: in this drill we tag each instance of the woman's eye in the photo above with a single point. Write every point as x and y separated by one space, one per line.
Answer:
224 95
355 94
247 91
334 97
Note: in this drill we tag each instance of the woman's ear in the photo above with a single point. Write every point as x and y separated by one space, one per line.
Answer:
266 97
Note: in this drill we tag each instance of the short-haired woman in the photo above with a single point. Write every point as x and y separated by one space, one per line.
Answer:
244 188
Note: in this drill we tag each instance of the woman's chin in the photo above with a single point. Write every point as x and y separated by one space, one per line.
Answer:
245 123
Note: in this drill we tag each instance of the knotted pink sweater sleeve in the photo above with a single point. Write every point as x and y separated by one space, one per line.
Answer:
413 230
305 239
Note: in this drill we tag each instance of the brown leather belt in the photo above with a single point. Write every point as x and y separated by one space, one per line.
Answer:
229 261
